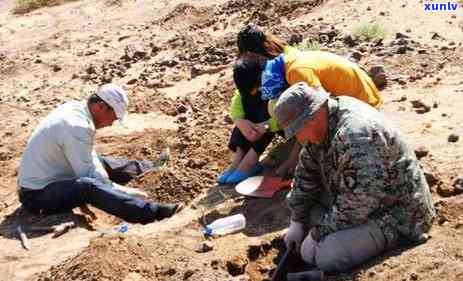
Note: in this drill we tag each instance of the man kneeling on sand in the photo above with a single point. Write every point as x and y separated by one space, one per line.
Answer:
358 188
60 169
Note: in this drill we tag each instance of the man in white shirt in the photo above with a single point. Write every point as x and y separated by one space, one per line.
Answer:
60 169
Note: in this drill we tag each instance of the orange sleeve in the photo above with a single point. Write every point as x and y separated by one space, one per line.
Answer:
302 74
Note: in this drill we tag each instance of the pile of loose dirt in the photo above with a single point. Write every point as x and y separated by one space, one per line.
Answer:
108 258
198 148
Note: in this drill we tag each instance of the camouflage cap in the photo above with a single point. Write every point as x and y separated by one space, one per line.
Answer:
297 105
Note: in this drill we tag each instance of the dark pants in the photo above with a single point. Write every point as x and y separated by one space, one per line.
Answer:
238 140
63 196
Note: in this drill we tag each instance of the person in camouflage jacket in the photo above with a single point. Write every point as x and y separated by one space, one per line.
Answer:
358 188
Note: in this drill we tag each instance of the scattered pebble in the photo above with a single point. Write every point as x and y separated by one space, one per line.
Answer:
237 266
421 151
453 137
378 76
188 274
204 247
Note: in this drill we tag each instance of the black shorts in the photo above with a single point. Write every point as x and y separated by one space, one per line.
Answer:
238 140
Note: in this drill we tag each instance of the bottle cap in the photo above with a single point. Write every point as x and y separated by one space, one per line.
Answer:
207 231
123 228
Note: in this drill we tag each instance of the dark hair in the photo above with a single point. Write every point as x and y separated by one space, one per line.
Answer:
247 71
252 39
94 99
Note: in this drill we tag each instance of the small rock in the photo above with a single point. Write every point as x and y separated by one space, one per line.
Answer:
154 48
91 52
254 252
453 138
23 99
215 264
446 190
171 271
435 105
413 276
436 36
378 76
153 83
350 41
327 35
420 106
401 50
457 184
182 118
377 42
237 266
182 109
368 8
421 151
401 42
264 268
134 52
188 274
422 110
90 69
356 55
37 61
204 247
422 51
168 63
131 81
195 71
382 13
295 39
399 35
123 38
107 78
56 68
324 38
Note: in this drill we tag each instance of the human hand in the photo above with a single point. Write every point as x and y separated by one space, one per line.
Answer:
262 128
248 129
294 235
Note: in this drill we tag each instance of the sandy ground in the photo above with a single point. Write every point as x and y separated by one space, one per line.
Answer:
175 59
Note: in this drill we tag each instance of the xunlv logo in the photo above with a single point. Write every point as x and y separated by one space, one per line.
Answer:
449 6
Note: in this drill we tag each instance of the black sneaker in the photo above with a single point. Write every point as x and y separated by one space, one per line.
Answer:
168 210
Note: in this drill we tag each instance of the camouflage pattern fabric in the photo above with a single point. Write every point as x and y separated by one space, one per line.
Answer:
364 171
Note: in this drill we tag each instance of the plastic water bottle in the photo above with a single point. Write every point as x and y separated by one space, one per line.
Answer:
226 225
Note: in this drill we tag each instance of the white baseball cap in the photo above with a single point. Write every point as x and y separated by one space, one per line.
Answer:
115 97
